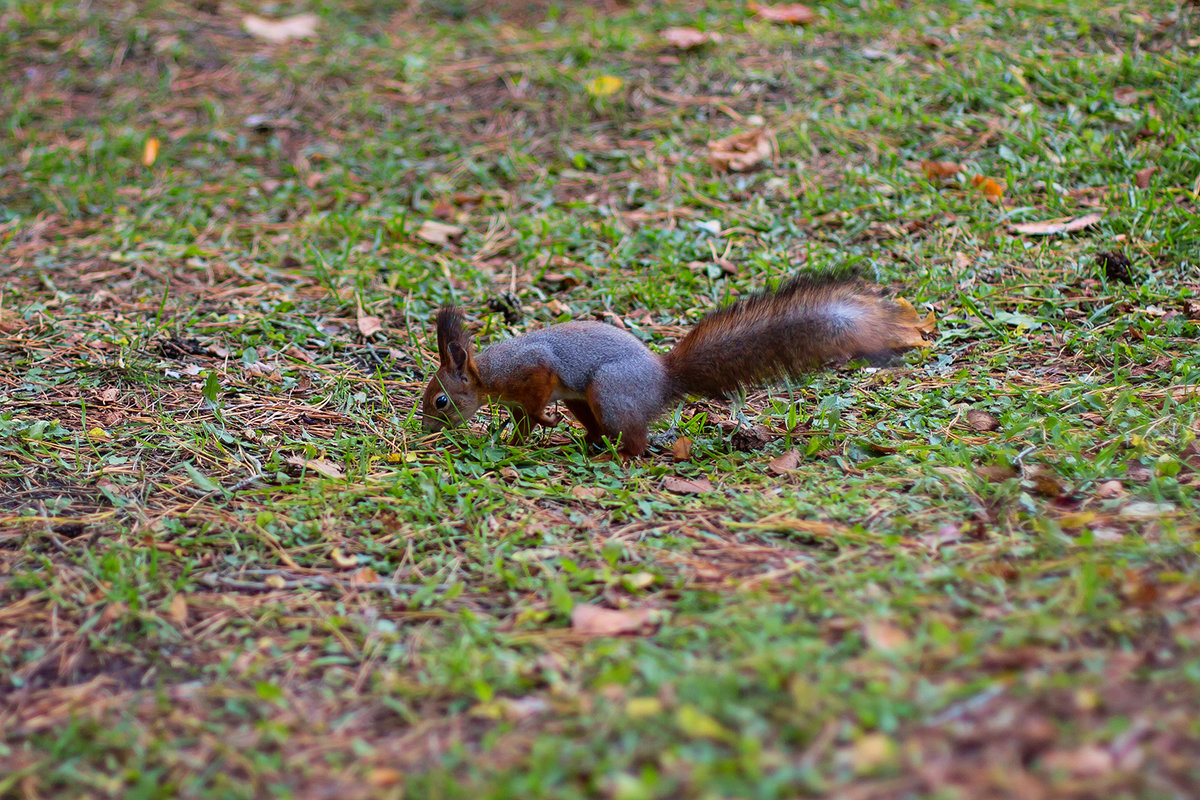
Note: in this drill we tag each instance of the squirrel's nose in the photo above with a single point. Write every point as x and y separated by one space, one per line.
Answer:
431 424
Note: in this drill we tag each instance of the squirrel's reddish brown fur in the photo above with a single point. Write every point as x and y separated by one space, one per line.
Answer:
615 386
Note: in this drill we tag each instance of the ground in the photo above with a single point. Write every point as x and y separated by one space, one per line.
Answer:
231 565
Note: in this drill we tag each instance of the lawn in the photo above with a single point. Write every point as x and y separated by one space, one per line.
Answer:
232 565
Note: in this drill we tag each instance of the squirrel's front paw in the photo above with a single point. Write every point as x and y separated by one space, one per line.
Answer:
551 419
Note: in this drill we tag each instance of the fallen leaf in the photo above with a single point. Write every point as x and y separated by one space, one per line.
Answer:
696 724
587 492
150 152
995 473
684 486
785 463
688 38
1141 178
1049 227
1077 519
112 612
982 420
873 753
326 468
1088 761
940 170
533 554
342 560
947 534
789 14
1047 484
592 620
383 777
604 85
681 449
740 152
1127 95
557 282
301 26
275 582
992 189
636 581
364 576
369 326
178 610
1145 509
640 707
1110 489
512 709
438 232
884 636
110 394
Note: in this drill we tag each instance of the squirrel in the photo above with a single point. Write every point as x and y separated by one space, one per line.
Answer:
616 386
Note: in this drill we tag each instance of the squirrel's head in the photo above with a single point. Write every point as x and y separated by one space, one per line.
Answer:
452 396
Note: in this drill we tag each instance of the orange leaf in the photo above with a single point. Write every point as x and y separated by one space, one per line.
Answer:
364 576
681 450
992 189
150 152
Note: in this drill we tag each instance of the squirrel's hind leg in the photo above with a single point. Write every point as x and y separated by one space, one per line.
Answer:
581 411
632 432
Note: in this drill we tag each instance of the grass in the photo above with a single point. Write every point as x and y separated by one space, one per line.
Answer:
232 566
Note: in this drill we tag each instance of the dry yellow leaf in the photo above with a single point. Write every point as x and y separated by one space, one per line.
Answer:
342 560
604 85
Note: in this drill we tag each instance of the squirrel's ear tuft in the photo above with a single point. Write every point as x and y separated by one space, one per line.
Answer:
450 331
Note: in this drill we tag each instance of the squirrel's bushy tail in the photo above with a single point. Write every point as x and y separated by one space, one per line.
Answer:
800 326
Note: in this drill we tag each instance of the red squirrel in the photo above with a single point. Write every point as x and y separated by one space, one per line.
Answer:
616 386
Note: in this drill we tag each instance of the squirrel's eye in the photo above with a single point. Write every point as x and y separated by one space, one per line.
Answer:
441 401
